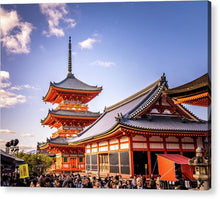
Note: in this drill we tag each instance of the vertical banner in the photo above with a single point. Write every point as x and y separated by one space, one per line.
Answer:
23 171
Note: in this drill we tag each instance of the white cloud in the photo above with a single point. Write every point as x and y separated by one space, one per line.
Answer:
15 34
88 43
2 143
21 146
27 135
26 147
4 75
74 53
9 99
42 47
102 63
54 14
22 87
4 79
6 131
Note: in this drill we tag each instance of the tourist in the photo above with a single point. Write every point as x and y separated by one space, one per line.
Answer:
129 185
134 182
158 182
48 182
68 183
152 183
32 184
86 183
139 183
77 183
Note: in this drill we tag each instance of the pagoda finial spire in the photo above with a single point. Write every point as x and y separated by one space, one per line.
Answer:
70 60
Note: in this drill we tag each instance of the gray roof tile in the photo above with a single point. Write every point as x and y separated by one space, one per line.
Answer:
58 140
130 107
75 113
167 123
108 119
71 82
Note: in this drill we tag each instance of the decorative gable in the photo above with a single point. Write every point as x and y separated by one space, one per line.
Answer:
164 105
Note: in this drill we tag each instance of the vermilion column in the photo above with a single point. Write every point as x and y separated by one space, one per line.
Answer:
131 156
149 156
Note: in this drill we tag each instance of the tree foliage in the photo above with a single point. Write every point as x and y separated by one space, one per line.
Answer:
37 163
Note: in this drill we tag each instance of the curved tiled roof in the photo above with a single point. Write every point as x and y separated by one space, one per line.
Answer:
108 120
199 85
58 140
125 111
153 95
72 83
74 113
10 157
69 113
167 123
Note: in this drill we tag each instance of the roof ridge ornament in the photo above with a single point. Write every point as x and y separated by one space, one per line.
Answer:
163 79
69 74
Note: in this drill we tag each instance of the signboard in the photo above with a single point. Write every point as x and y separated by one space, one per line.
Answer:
23 171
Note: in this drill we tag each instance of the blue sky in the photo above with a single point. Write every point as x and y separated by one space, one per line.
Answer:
123 47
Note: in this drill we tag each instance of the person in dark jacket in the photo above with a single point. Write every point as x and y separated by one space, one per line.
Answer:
87 183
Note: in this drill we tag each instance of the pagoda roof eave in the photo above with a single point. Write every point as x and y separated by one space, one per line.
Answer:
66 114
52 88
98 90
72 83
45 146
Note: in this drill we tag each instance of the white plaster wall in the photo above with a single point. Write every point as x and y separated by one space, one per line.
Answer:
113 147
172 139
87 150
187 139
172 146
188 146
94 145
113 141
139 145
156 145
94 150
124 146
103 148
156 138
139 138
103 143
124 139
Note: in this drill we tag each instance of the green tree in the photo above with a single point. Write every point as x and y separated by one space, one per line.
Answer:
37 163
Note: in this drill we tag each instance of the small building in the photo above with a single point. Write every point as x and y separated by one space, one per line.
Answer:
9 163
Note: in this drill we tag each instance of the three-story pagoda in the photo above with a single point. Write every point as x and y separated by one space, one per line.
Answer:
70 117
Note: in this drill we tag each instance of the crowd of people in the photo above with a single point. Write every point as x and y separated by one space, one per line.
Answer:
79 181
83 181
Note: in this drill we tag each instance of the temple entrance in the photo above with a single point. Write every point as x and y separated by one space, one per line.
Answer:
73 162
189 154
103 163
140 162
